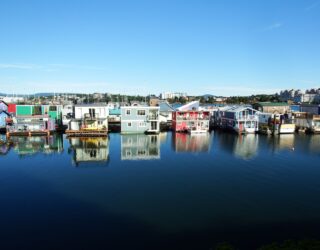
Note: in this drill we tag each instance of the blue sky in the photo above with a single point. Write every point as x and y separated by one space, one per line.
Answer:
220 47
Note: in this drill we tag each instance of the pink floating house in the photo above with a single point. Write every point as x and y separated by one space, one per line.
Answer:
190 119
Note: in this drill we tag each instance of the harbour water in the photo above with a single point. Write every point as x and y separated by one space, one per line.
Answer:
167 191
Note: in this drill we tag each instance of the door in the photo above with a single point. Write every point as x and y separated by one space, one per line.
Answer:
154 126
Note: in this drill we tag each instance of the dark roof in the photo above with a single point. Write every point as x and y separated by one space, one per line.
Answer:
3 111
165 107
4 102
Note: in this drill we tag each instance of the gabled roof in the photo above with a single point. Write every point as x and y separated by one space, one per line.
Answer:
3 111
189 106
4 102
239 109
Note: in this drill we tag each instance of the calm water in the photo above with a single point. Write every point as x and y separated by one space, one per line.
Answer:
171 191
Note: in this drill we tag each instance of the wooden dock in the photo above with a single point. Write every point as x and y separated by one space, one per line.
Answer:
87 133
29 133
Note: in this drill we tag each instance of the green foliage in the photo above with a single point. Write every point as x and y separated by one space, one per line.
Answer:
293 245
224 246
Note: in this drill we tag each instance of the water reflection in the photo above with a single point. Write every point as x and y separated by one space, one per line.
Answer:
89 150
140 147
242 146
282 142
31 145
191 142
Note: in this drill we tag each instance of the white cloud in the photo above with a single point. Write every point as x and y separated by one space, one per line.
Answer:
274 26
18 66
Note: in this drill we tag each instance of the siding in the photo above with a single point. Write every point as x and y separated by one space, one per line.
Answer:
24 110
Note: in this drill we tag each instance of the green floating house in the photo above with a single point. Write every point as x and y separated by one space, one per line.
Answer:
37 117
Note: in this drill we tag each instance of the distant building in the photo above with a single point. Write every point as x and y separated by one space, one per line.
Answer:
12 99
154 101
171 95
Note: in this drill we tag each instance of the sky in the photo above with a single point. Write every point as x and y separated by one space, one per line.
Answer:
219 47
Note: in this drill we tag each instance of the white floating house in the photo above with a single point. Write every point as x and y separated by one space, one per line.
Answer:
90 117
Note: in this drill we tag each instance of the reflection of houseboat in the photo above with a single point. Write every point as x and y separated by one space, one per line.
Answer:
89 149
140 147
191 143
246 146
89 120
283 142
37 144
140 119
308 122
241 146
240 119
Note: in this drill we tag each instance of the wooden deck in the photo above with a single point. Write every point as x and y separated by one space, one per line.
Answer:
29 133
86 133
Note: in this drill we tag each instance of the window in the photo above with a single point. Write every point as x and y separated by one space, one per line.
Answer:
141 112
53 108
128 111
129 124
92 112
142 124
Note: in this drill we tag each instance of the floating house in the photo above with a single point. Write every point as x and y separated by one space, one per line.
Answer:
140 147
307 122
189 118
272 107
140 119
36 119
90 150
89 119
191 121
241 119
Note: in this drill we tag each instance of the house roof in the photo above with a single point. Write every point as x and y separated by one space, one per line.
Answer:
165 107
5 112
270 104
4 102
239 108
189 106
